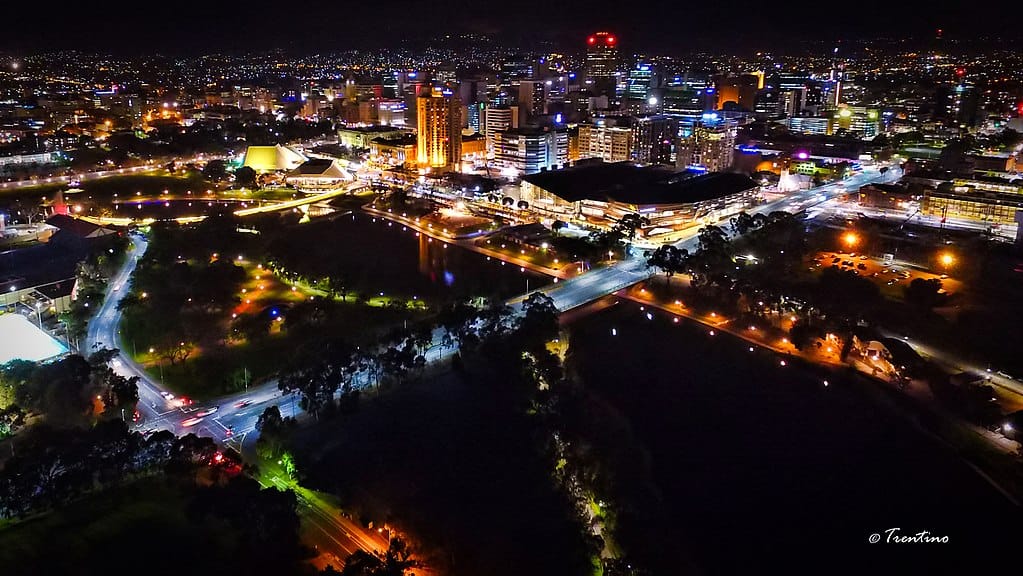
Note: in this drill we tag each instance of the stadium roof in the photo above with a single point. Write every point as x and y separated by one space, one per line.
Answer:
24 341
272 158
640 185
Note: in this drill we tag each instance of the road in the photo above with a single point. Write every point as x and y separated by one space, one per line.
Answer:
80 177
159 410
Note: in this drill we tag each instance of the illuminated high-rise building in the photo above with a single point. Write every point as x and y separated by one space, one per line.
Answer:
439 143
532 98
739 90
710 146
497 118
530 150
640 85
606 138
856 121
653 139
602 64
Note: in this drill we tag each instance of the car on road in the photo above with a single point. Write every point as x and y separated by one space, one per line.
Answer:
243 403
191 422
206 411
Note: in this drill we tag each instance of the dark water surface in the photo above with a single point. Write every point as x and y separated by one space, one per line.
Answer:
764 470
384 256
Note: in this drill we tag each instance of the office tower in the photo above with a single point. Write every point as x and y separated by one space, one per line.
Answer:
439 143
475 117
391 112
653 139
602 64
855 121
639 89
472 90
710 146
684 102
531 98
498 118
801 96
530 150
516 67
739 90
606 138
769 104
964 102
446 75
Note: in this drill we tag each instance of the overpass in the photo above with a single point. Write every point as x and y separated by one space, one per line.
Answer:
305 201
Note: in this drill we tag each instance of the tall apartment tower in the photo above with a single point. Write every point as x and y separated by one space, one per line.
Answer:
653 139
711 146
602 64
439 142
606 140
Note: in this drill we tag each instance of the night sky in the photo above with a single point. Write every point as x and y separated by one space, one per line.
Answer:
654 25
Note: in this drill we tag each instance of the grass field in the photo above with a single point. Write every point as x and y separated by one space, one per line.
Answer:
213 369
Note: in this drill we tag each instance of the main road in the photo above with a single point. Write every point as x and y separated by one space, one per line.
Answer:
158 408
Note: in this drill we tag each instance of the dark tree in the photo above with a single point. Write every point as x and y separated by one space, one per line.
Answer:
215 170
669 258
245 177
558 226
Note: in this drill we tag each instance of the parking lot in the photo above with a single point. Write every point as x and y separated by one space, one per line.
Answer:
892 279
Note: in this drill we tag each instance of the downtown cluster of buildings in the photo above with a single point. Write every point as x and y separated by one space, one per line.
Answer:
787 122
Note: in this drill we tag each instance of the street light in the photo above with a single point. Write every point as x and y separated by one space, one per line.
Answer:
851 239
947 259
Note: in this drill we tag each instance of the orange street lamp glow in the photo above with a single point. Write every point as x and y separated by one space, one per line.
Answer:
850 239
947 259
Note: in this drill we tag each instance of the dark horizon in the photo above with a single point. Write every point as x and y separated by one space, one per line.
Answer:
661 27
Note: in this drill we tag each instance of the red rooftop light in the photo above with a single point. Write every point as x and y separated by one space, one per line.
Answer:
592 40
610 39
